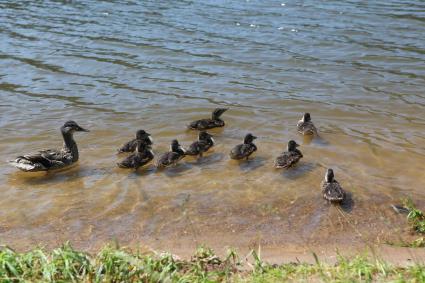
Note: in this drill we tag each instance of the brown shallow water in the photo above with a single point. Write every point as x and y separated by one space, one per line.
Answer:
117 67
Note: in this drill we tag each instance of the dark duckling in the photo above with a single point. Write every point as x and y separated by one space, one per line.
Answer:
305 126
214 122
203 144
331 189
289 157
132 145
244 150
52 159
172 157
141 157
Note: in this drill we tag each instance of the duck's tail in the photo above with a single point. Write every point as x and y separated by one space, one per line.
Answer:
25 165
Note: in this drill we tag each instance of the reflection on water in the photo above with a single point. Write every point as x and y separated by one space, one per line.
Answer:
116 67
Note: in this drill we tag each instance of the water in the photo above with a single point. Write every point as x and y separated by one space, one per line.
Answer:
117 66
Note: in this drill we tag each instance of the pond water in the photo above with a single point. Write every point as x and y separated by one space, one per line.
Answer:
118 66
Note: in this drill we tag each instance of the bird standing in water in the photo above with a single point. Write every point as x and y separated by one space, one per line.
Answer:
142 156
172 157
203 144
132 144
52 159
331 189
290 157
214 122
244 150
305 126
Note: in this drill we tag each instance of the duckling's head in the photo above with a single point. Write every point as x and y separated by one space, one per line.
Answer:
329 176
176 147
70 127
142 135
218 112
249 138
306 117
292 145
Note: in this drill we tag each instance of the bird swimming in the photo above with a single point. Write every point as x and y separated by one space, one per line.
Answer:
171 158
52 159
214 122
203 144
244 150
132 145
290 157
142 156
331 189
305 126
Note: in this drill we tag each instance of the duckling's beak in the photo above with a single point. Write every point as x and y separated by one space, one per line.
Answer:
254 137
297 145
81 129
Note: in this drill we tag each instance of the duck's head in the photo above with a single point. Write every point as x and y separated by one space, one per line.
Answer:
70 127
306 117
218 112
249 138
176 147
329 176
292 145
143 135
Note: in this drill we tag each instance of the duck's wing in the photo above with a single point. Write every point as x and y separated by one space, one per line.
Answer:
128 147
236 152
203 124
146 157
41 161
248 149
306 128
164 159
128 162
194 148
333 191
287 159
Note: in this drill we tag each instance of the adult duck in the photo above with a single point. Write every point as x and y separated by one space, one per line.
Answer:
142 156
131 145
214 122
331 189
172 157
52 159
290 157
203 144
244 150
305 126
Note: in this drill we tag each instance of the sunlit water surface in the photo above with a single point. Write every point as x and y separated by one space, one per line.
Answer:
117 66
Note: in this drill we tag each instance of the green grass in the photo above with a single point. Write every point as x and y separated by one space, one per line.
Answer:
415 217
113 264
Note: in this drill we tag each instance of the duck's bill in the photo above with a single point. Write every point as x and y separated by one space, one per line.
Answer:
81 129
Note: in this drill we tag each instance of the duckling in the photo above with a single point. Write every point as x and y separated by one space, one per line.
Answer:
214 122
142 156
305 126
52 159
132 145
289 157
244 150
170 158
331 189
203 144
